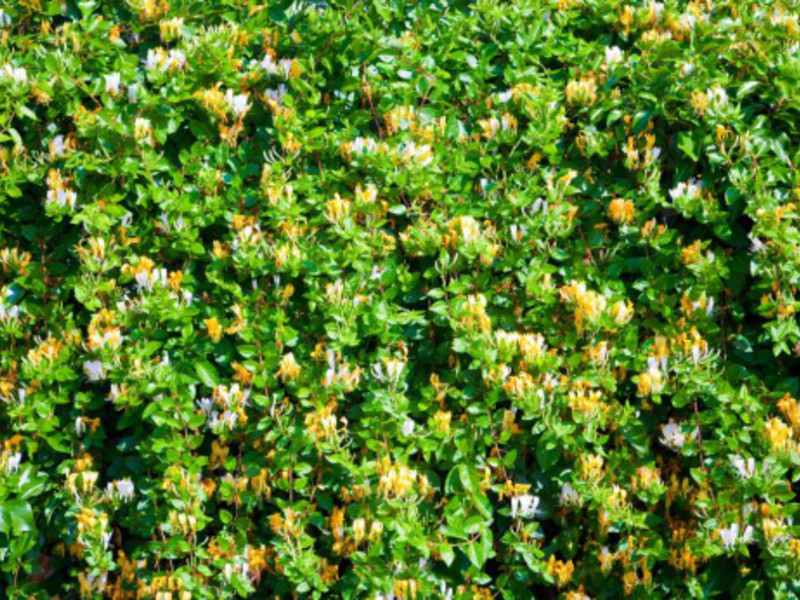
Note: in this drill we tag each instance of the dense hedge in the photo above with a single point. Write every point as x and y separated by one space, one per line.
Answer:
397 299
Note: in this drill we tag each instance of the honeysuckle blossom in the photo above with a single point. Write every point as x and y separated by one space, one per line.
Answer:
717 96
57 146
165 60
730 536
569 496
237 102
420 155
687 189
122 489
672 436
11 462
112 82
390 370
283 67
745 467
94 370
18 75
524 506
294 295
614 55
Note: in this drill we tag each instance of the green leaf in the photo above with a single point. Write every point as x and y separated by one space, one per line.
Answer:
208 373
689 145
16 516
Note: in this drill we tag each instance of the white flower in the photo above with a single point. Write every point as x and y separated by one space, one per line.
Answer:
8 313
656 8
421 155
145 280
504 371
237 103
142 130
756 245
408 427
729 536
745 468
80 426
446 592
94 370
524 506
539 205
176 59
671 436
517 232
112 83
686 21
569 496
18 75
276 95
133 89
154 59
747 535
362 145
717 96
686 69
268 64
158 58
62 198
652 364
230 419
699 353
504 97
205 405
394 370
125 489
12 462
710 306
687 189
57 146
5 19
613 55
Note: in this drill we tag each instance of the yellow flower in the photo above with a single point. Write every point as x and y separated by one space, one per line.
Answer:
699 102
582 91
606 559
778 433
646 477
691 253
591 467
219 452
289 369
213 329
441 421
397 481
375 531
337 209
359 529
561 570
621 211
322 424
790 409
405 589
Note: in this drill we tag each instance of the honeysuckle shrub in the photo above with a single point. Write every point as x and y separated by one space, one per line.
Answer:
399 299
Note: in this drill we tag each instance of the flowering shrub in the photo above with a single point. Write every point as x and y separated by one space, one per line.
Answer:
399 299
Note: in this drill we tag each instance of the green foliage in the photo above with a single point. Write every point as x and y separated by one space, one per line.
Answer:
425 299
